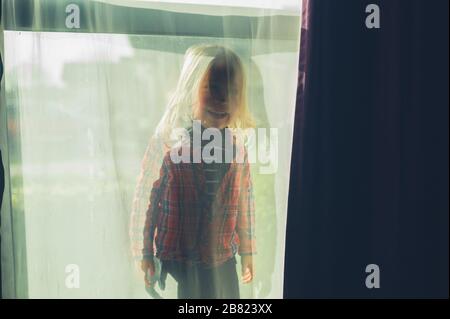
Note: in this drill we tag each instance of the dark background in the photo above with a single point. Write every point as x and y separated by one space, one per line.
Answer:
369 179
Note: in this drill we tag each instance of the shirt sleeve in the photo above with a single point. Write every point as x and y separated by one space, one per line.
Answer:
246 213
152 213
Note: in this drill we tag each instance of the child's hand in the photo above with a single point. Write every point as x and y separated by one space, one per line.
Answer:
148 267
247 268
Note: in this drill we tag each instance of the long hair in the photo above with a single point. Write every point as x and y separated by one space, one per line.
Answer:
198 61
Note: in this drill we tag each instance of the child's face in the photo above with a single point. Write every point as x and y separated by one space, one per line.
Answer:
218 97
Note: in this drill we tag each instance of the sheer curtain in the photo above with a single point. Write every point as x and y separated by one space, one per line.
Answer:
85 84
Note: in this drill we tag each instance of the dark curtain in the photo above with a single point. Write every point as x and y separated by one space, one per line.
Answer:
369 181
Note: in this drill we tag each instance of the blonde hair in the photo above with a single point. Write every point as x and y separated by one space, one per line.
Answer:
198 61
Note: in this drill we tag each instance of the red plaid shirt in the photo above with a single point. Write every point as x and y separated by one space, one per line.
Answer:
176 226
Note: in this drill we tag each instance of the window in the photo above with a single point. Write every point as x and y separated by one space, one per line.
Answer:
80 106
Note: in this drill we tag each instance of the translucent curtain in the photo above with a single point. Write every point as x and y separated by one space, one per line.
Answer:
85 85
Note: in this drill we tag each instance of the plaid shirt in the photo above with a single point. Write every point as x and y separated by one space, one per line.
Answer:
177 226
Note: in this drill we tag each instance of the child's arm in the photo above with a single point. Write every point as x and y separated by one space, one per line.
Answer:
153 211
246 214
151 217
245 223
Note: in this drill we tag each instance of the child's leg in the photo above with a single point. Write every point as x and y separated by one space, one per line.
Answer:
188 278
229 282
220 282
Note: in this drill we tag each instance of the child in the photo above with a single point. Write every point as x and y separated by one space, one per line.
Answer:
201 213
